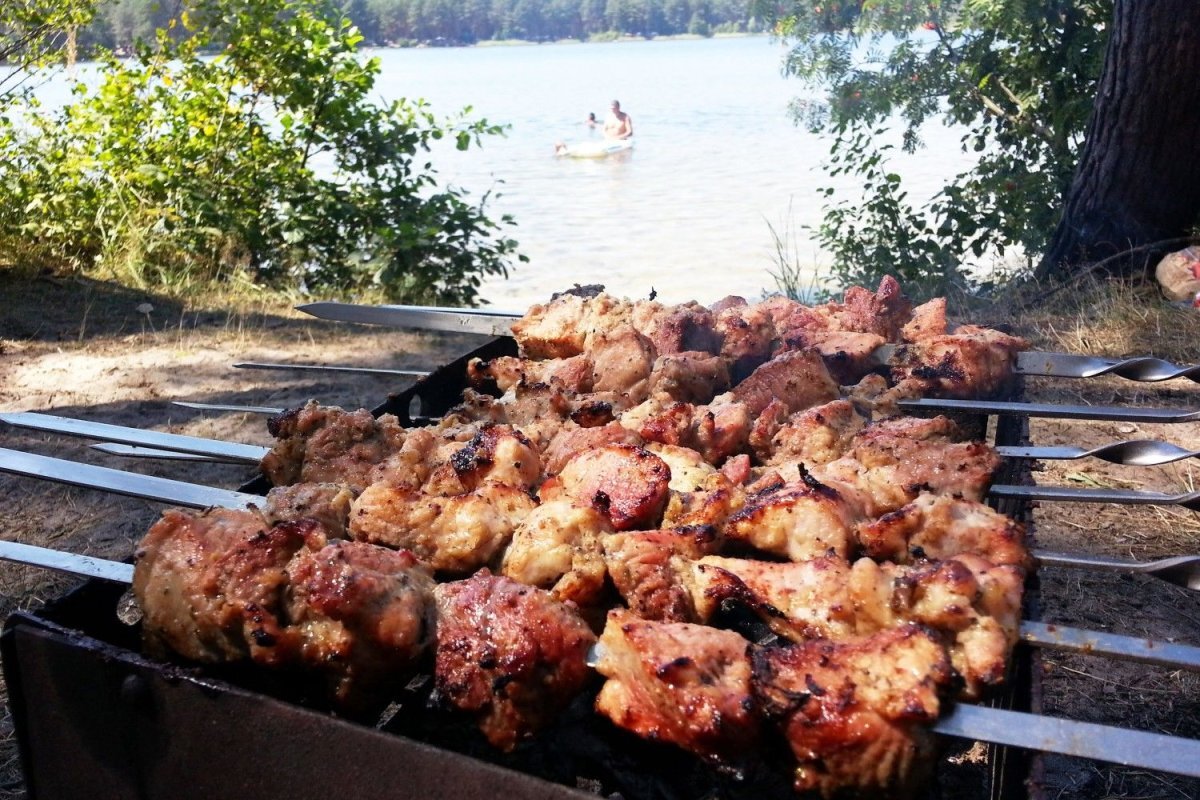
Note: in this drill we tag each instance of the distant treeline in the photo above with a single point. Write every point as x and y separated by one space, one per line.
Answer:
118 24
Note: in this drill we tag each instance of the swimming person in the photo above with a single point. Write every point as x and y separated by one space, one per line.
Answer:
619 125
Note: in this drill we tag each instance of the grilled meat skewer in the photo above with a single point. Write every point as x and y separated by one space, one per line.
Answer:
1135 748
1181 570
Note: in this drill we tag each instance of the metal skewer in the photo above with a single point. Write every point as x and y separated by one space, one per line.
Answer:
407 373
227 407
1182 571
1069 737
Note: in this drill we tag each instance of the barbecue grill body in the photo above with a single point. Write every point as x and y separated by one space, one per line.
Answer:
95 718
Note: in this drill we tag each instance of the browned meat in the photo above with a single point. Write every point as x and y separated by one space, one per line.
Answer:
210 584
362 614
797 379
798 521
572 439
928 320
677 329
509 654
940 527
812 437
748 335
810 599
848 355
224 586
327 503
882 312
456 534
680 683
563 327
627 484
552 330
573 374
622 360
855 713
689 377
498 454
974 604
716 431
892 461
970 363
652 571
559 547
325 444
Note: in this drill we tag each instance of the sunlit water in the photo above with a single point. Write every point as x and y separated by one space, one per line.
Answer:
717 159
688 212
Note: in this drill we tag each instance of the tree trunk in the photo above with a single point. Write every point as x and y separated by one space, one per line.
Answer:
1138 178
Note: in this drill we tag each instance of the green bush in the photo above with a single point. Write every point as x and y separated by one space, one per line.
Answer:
180 167
1018 77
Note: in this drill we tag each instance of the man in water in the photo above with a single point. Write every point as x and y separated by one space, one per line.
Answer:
619 125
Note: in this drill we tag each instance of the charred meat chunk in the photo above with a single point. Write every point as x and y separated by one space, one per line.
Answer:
685 684
856 714
627 484
508 653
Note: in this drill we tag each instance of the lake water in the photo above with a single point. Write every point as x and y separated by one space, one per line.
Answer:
686 212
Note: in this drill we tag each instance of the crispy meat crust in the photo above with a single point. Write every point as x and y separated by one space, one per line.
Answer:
855 713
680 683
508 653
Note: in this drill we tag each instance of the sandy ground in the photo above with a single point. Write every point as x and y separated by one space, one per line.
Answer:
84 350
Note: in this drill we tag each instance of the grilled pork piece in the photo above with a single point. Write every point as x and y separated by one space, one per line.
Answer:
210 584
225 586
362 614
497 454
652 571
848 355
716 431
797 379
972 362
626 484
892 461
622 360
974 604
456 535
326 444
559 547
328 503
680 683
573 374
939 527
689 376
855 714
928 320
573 439
814 436
799 520
508 653
747 336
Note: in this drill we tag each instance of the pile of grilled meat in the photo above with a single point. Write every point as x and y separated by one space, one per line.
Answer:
604 501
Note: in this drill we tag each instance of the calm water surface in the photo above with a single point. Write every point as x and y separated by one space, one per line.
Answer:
716 161
686 212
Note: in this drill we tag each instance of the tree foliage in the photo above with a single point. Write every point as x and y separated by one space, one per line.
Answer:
120 23
269 160
35 33
1017 75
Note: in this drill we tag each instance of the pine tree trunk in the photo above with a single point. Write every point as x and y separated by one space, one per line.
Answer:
1138 178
